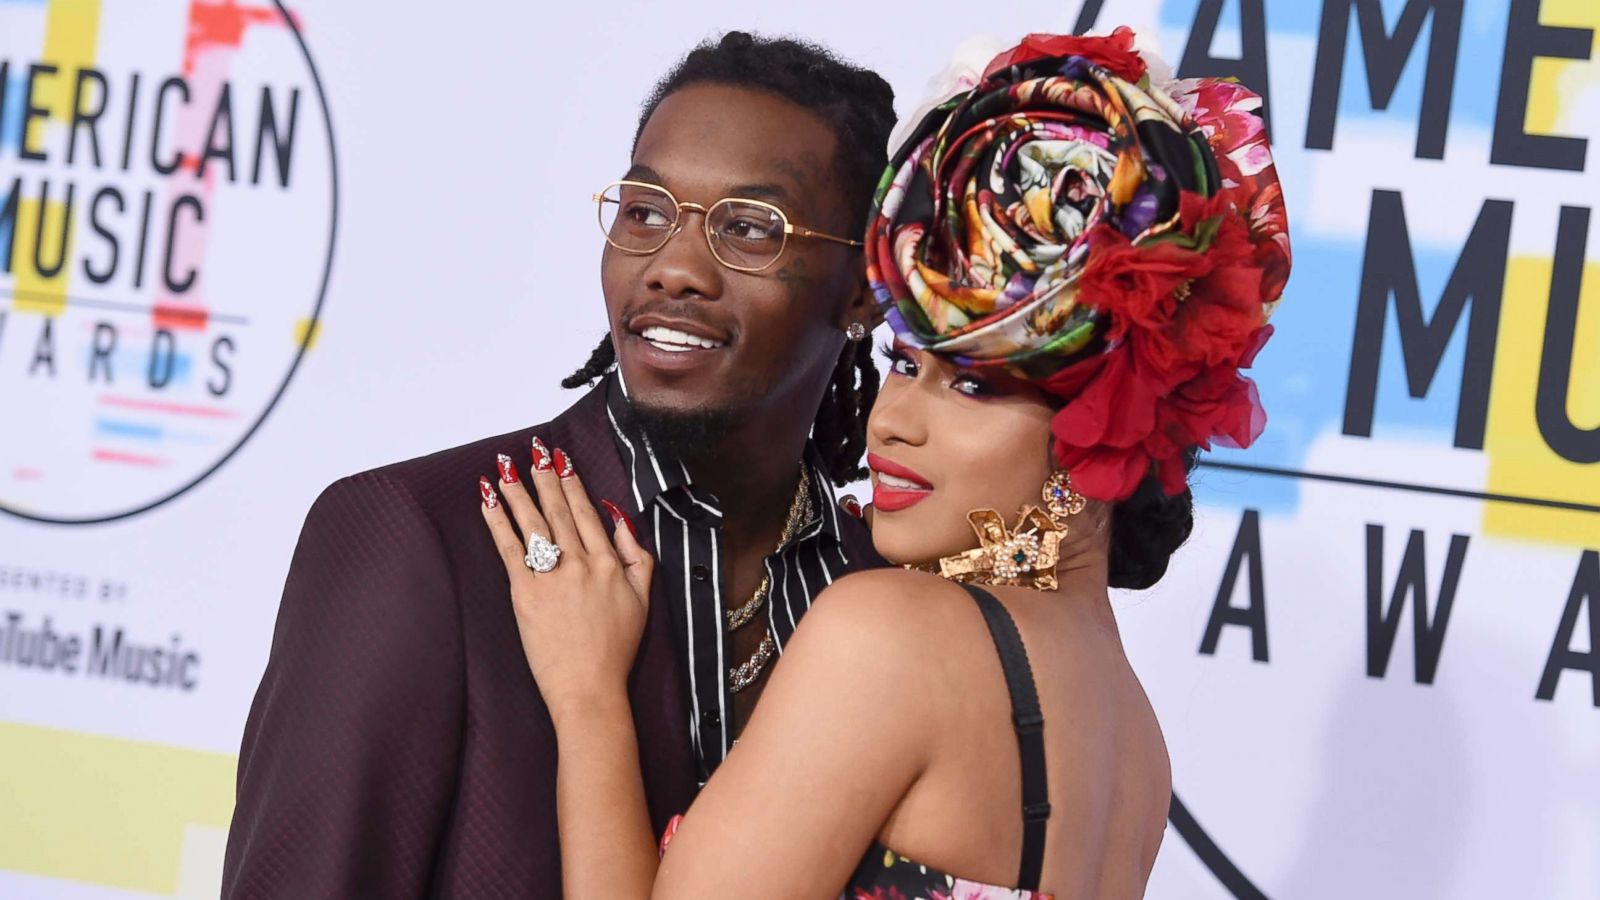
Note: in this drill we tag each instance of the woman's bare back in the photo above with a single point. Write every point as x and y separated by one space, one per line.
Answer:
1109 778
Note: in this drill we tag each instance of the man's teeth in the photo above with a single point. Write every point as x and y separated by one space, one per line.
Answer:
674 341
887 480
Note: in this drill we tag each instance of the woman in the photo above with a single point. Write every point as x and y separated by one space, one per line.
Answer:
1077 255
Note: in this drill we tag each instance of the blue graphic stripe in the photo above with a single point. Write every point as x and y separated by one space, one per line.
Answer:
1477 76
121 429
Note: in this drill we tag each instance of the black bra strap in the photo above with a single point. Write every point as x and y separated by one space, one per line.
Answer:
1029 723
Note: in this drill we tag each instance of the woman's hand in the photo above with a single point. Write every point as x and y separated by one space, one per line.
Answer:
580 622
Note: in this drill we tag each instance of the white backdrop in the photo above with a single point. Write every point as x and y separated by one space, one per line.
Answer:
450 152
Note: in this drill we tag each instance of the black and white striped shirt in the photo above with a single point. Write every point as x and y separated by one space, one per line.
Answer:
687 526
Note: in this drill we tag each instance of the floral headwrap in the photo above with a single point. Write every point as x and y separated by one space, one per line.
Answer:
1116 238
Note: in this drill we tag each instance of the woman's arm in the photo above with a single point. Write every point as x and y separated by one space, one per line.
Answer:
844 729
607 849
580 625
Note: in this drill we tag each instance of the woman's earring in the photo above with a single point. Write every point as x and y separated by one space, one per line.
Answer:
1061 500
855 332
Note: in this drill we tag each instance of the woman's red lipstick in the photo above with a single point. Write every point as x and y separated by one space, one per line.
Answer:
891 499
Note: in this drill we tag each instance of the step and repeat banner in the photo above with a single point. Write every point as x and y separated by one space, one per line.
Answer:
248 248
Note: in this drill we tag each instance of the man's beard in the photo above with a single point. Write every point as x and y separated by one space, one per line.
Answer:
683 433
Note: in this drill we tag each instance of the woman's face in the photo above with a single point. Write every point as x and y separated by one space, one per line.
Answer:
942 441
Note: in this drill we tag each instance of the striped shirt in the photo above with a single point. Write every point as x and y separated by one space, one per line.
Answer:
687 526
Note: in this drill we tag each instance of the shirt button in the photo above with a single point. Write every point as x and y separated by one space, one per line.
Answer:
700 573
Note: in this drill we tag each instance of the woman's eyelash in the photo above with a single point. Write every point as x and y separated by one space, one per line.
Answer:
886 350
979 386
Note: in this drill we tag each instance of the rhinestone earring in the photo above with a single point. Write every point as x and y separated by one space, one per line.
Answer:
855 332
1061 500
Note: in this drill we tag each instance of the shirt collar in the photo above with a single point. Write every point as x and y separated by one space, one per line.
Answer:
653 472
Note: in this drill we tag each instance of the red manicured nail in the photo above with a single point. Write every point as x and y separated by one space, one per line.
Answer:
668 832
508 471
618 517
541 456
851 505
490 500
563 464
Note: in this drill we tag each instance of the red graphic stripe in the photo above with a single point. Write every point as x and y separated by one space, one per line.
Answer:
182 409
129 458
180 317
220 26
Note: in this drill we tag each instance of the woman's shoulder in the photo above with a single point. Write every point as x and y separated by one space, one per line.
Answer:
899 601
902 619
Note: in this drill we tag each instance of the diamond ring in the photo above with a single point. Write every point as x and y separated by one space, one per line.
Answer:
543 554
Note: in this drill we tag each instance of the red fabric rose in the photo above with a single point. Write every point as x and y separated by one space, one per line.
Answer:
1114 52
1216 322
1100 433
1134 283
1168 379
1127 424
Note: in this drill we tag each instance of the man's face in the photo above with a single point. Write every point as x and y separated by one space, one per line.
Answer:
774 335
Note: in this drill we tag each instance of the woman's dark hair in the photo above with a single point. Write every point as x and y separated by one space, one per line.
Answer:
859 106
1146 529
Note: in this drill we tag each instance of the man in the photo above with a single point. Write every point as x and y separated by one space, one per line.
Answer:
397 746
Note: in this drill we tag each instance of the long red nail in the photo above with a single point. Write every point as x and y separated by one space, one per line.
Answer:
851 505
668 832
618 517
563 464
508 470
490 500
541 456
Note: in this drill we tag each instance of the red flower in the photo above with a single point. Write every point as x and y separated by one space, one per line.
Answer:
1100 434
1197 303
1129 423
1114 52
1134 283
1185 316
1223 310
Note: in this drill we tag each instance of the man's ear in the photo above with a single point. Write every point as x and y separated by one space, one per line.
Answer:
861 306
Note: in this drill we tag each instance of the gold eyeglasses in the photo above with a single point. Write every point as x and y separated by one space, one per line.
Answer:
745 235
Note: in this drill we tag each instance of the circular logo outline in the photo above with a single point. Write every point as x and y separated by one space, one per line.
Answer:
305 341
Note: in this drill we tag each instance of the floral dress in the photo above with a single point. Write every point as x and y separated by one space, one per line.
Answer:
886 875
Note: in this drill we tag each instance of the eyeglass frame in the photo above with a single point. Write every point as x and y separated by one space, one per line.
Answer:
789 228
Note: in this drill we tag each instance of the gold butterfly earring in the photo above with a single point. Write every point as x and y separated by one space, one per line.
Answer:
1025 554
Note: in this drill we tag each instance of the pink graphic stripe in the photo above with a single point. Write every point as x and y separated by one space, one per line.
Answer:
134 459
182 409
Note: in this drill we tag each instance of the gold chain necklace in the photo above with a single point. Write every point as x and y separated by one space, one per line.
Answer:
746 673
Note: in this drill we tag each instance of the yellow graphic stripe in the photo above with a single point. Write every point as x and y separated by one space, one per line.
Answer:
71 30
306 333
1519 460
138 816
41 241
1556 83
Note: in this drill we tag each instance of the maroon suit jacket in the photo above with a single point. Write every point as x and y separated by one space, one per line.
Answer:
397 746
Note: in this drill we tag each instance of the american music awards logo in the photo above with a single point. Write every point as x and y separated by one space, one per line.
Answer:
168 206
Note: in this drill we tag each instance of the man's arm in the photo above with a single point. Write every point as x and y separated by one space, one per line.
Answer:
350 754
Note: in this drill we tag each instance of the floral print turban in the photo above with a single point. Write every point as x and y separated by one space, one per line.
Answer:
1116 238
